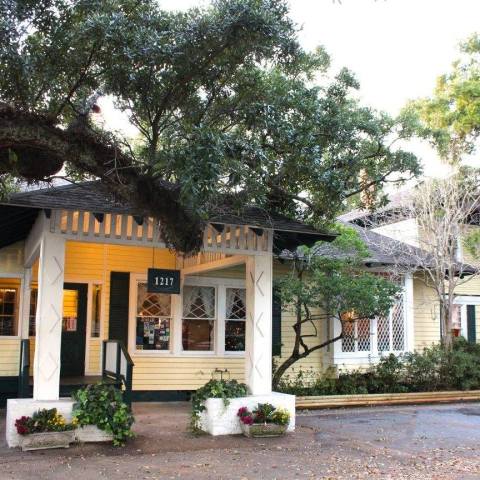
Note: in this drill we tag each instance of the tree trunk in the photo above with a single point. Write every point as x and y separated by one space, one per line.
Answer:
279 372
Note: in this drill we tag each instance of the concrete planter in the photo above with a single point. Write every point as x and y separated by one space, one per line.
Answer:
259 430
218 419
44 440
91 433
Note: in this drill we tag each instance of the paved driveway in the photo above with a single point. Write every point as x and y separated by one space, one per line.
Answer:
424 442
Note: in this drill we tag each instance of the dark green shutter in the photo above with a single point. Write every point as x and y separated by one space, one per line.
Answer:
471 324
276 323
118 316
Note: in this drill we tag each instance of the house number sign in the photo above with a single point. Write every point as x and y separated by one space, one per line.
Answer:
163 281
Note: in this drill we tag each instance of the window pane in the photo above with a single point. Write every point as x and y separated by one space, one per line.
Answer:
236 305
383 334
96 308
32 312
235 335
199 302
152 304
70 310
348 340
8 311
363 335
153 333
198 335
398 326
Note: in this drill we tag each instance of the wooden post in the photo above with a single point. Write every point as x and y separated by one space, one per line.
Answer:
48 339
258 345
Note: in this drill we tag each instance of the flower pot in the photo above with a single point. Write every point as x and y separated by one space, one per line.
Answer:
91 433
258 430
43 440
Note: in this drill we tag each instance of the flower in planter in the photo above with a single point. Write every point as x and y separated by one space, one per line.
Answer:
43 420
264 413
22 425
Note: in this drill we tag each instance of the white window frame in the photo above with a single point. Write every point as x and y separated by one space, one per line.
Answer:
221 285
373 355
463 301
135 279
20 303
224 319
176 350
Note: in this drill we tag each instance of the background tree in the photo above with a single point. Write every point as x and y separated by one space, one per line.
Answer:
451 117
223 98
444 209
330 283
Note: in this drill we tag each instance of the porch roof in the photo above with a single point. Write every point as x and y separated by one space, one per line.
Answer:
18 213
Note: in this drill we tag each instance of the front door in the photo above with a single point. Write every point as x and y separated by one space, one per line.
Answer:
74 329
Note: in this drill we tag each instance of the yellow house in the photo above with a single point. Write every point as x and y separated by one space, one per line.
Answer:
396 222
87 287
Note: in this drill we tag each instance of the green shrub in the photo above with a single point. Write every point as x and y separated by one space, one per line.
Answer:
102 405
433 369
225 389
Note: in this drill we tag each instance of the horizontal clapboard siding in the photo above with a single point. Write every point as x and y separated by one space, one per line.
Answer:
9 356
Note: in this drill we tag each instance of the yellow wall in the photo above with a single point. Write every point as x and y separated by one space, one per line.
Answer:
93 262
426 314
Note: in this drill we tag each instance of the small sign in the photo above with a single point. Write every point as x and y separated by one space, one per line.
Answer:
163 281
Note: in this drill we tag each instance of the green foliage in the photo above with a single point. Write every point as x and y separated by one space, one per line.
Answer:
329 281
224 389
332 277
264 413
472 243
102 405
434 369
451 117
223 98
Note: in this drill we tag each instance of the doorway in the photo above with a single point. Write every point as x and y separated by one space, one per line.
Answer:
74 324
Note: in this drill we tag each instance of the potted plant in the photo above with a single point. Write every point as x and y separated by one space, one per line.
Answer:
102 415
264 421
45 429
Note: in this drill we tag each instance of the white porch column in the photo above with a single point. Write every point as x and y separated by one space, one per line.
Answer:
258 347
48 339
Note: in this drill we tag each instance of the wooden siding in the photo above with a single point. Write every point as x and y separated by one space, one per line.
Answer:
9 356
426 313
11 259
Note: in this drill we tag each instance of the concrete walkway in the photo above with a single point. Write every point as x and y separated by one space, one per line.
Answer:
425 442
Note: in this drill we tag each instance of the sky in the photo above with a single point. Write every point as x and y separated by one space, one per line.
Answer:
397 48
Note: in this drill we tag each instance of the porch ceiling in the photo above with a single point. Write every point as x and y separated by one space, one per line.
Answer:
15 223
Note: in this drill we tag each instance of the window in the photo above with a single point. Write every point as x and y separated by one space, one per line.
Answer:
153 316
96 310
32 312
70 311
8 311
356 334
198 323
235 315
391 329
381 334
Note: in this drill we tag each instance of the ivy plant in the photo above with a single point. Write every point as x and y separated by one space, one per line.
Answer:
102 405
224 389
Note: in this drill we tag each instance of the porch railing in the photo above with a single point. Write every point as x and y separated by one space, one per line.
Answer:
117 365
23 374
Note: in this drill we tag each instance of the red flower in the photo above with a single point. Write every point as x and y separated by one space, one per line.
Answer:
22 425
248 420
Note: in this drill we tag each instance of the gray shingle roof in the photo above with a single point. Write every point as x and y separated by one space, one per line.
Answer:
94 197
